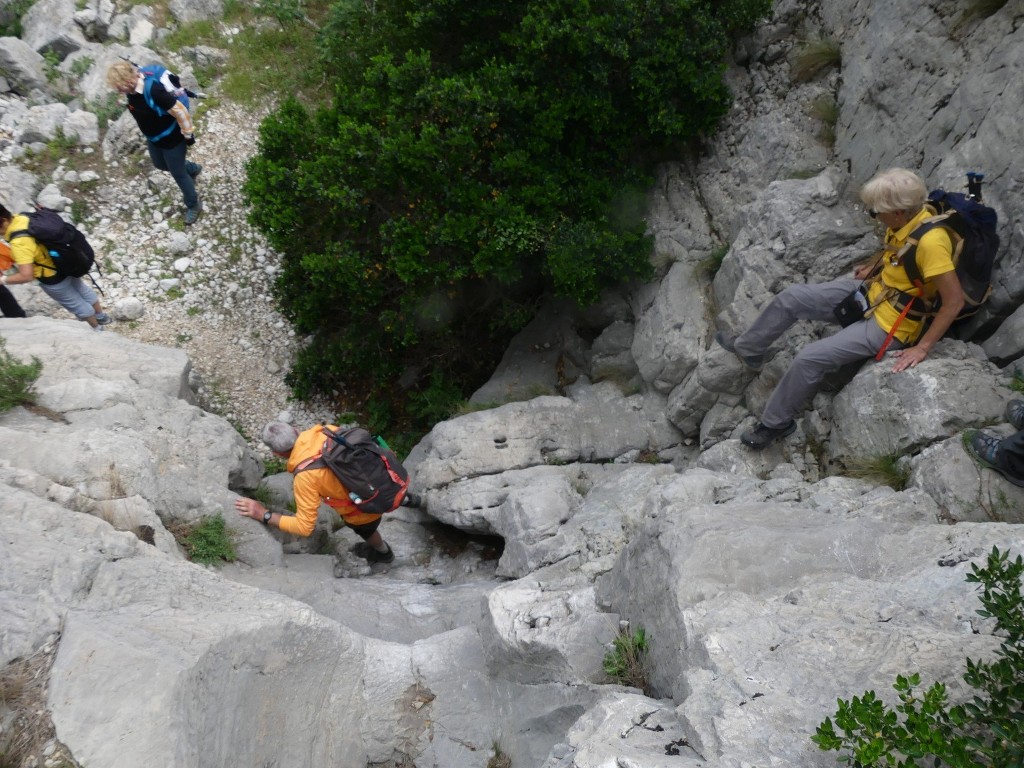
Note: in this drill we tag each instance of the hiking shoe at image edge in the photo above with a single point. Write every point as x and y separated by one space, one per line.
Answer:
984 449
192 215
1015 413
728 343
761 437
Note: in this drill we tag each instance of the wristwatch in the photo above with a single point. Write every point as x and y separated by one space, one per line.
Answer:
266 517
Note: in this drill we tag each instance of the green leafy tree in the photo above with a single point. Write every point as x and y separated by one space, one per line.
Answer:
987 730
474 157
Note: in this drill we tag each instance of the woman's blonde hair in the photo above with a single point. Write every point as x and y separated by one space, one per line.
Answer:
896 189
122 74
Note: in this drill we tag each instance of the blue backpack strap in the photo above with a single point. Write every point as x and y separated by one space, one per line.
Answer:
150 77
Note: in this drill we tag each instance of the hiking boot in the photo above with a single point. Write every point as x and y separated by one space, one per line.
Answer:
984 449
196 170
412 500
760 437
728 343
1015 413
192 214
368 553
103 318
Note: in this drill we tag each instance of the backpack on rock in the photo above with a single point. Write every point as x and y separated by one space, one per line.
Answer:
70 251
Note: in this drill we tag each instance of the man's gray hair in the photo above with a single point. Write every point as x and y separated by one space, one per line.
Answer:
279 436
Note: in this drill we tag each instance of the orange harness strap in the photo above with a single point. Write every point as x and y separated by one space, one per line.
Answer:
896 325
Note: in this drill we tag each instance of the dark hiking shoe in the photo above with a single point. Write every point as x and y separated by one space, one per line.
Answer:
368 553
196 170
728 343
984 449
760 437
412 500
192 215
1015 413
103 318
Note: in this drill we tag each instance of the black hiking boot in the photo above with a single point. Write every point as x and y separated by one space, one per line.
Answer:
411 500
760 437
984 449
371 555
728 343
1015 413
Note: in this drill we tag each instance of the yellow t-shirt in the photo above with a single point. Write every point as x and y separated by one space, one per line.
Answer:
25 250
934 257
311 486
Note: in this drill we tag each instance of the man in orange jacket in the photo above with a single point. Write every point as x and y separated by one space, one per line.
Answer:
311 487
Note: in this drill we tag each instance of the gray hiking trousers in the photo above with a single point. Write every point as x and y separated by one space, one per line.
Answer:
809 302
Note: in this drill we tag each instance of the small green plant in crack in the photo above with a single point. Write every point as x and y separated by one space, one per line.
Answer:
498 758
813 57
80 67
207 543
710 264
624 663
274 466
884 469
1017 382
17 379
826 109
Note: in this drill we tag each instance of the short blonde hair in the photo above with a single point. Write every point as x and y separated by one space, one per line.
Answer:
896 189
122 74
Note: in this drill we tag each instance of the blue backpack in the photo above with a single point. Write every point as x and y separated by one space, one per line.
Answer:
972 227
158 73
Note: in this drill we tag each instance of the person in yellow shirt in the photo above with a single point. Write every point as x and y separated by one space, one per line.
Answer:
311 487
34 263
9 306
896 197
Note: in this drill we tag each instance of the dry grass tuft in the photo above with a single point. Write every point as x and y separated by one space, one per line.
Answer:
24 714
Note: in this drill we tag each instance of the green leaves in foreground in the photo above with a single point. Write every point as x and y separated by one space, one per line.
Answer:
986 730
17 379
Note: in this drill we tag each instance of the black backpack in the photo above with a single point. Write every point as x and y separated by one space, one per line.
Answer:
375 478
972 227
71 253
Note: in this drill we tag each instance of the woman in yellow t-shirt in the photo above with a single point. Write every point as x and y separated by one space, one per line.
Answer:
897 198
34 263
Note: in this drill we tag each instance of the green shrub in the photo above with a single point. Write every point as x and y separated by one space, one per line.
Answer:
207 543
475 158
986 730
17 379
10 19
624 664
